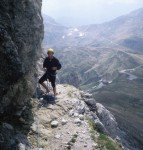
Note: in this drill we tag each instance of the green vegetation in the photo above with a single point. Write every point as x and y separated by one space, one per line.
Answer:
104 142
69 94
91 124
71 142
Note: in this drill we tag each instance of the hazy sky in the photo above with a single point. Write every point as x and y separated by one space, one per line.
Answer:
81 12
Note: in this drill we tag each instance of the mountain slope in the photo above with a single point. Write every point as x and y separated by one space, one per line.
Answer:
106 60
53 31
120 32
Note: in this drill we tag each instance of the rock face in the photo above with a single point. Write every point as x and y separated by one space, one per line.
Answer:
104 120
21 33
10 139
108 120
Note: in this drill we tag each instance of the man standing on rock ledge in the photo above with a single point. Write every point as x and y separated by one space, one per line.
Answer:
51 64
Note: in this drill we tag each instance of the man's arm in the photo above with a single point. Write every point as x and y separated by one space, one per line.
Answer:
58 65
44 63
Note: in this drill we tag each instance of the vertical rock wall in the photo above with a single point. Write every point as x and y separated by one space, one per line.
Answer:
21 34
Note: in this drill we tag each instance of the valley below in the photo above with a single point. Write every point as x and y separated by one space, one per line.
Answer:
107 61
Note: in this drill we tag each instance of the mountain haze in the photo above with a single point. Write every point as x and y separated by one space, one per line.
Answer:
119 31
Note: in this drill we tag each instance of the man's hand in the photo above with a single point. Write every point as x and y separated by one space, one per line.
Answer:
54 68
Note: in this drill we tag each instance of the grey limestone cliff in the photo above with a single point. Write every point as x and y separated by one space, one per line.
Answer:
21 34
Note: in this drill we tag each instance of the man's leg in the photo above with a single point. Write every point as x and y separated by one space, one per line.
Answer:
44 85
41 81
53 82
55 91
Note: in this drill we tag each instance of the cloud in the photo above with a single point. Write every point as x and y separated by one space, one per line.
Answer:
56 5
72 12
129 2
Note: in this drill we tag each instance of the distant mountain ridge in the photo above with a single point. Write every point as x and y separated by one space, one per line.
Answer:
123 31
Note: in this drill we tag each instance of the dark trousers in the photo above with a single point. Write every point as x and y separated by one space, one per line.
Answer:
50 77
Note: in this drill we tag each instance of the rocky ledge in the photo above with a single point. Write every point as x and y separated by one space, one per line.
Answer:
73 121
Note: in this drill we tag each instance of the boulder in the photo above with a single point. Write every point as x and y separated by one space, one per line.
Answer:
91 103
100 127
88 95
63 122
77 121
108 120
54 124
76 114
80 107
71 113
21 146
81 117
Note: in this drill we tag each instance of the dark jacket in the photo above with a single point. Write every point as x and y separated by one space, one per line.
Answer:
51 63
